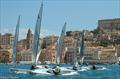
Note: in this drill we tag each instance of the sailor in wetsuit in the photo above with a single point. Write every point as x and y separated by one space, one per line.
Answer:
33 67
94 67
47 66
75 67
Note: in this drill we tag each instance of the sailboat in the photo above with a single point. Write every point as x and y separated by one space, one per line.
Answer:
36 49
36 45
15 42
14 69
60 44
76 61
82 47
58 54
57 69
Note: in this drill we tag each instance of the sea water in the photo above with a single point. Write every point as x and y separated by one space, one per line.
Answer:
111 72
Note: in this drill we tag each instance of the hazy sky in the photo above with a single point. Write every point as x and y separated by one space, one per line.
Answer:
79 14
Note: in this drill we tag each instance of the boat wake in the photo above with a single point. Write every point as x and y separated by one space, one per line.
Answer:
49 71
96 68
43 71
64 71
19 71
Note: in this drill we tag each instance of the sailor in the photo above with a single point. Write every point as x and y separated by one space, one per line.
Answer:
94 67
86 64
75 67
47 66
50 70
33 67
57 70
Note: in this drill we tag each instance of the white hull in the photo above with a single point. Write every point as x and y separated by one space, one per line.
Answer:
64 71
41 70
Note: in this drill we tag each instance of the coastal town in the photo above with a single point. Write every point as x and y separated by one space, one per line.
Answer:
63 39
102 45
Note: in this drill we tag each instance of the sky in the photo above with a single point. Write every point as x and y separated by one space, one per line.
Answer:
79 15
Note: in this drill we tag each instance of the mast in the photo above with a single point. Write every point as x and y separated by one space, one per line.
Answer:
60 44
36 43
16 41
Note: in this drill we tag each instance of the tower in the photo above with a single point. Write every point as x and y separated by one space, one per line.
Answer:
29 39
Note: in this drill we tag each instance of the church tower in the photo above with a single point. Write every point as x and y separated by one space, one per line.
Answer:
29 39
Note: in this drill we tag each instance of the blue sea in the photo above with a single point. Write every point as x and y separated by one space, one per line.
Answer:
112 72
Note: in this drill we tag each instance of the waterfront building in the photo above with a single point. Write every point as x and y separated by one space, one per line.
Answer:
108 54
74 34
69 49
101 55
70 42
50 54
88 36
21 45
24 56
6 55
47 41
70 55
6 40
42 56
118 50
90 54
109 24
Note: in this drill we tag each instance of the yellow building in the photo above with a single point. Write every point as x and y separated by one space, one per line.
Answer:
118 50
42 56
6 40
69 49
71 55
6 55
47 41
24 56
101 55
108 25
50 54
108 53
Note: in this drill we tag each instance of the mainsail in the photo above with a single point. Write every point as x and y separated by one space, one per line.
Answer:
36 42
16 41
82 49
60 44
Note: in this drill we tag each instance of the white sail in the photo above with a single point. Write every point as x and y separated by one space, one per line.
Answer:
81 60
37 58
36 43
60 44
75 59
16 41
37 35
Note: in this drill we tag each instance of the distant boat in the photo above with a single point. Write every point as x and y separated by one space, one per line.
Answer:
60 44
57 70
15 43
82 49
80 61
36 44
